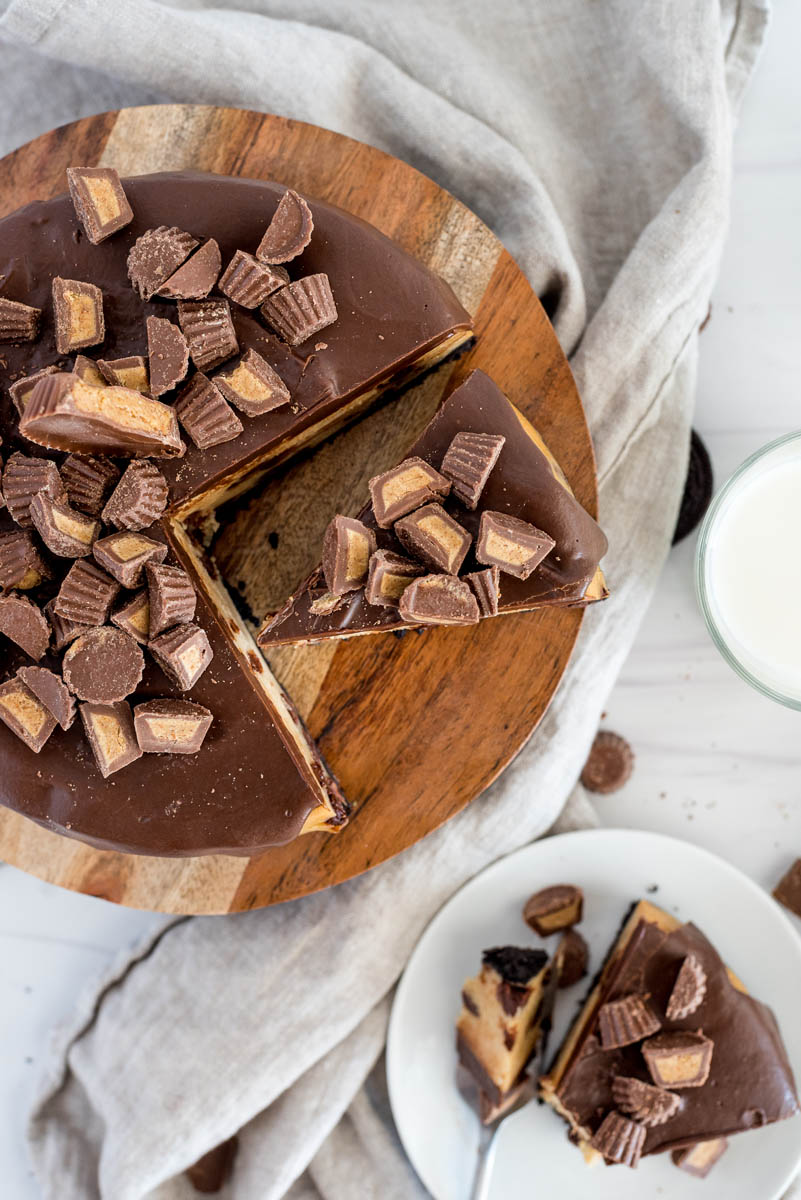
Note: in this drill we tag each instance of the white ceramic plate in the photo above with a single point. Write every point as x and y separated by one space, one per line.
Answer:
439 1130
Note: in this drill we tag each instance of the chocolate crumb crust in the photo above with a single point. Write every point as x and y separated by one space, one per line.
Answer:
364 269
515 964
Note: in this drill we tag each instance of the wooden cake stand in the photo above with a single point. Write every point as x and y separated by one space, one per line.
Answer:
414 727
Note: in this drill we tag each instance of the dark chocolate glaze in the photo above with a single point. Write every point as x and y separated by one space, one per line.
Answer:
750 1082
244 791
522 483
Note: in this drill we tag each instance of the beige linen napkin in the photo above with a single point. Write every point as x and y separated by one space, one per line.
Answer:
595 138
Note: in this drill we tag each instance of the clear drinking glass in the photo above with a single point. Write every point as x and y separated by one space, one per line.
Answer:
748 570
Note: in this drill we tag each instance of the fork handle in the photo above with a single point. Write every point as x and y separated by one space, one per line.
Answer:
484 1166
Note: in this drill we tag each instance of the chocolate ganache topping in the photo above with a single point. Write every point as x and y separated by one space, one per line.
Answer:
261 778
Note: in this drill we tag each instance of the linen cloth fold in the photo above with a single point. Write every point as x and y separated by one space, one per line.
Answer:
595 139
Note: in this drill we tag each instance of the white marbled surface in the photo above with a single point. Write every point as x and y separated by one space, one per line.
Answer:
716 763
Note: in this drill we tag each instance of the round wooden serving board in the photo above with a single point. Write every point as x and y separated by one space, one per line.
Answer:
416 727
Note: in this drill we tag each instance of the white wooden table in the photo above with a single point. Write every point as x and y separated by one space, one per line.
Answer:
716 763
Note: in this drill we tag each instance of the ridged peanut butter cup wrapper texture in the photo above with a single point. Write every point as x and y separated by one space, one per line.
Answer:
124 555
88 482
209 330
139 498
249 282
18 322
205 414
301 309
65 531
172 597
24 478
468 463
155 256
86 594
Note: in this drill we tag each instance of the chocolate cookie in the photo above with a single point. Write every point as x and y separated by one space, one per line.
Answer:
697 489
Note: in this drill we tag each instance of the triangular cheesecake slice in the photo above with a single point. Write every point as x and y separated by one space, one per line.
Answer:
524 483
669 1050
503 1008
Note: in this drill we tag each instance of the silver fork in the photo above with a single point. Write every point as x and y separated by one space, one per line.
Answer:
488 1137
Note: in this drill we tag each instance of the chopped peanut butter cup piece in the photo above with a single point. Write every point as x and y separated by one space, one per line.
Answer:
432 535
124 556
510 544
20 392
388 577
301 309
439 600
171 726
788 889
168 355
24 624
86 594
572 955
347 547
554 908
103 665
253 386
64 413
24 478
698 1160
626 1021
404 488
51 690
110 732
468 463
172 597
65 531
183 654
88 371
324 604
289 232
196 277
100 201
128 372
609 763
643 1102
205 413
688 991
249 282
25 715
18 322
485 586
21 564
139 498
78 312
680 1059
64 630
209 330
134 618
155 256
619 1140
88 482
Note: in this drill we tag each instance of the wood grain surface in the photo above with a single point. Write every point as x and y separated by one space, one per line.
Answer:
414 727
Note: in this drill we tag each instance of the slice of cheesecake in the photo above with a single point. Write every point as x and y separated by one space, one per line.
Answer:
503 1008
669 1050
504 491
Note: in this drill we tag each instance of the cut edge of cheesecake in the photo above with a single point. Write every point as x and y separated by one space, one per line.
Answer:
549 1084
181 523
496 1036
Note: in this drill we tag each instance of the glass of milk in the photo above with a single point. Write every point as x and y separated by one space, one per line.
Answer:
748 570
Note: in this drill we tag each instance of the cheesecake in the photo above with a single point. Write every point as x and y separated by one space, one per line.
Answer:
497 514
669 1052
168 340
